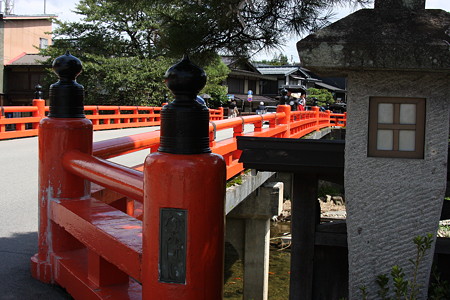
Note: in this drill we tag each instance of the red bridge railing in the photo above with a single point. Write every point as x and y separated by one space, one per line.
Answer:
14 123
285 123
111 232
117 196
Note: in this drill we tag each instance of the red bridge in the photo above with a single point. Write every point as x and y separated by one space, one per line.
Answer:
111 232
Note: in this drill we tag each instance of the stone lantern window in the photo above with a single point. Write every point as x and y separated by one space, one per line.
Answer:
396 127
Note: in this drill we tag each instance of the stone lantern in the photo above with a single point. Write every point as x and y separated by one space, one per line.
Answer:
396 58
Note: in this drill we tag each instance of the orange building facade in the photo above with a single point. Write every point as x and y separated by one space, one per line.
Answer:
21 37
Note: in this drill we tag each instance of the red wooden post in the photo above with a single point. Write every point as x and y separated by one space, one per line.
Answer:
315 109
212 135
184 193
66 128
39 104
135 113
95 112
238 130
116 113
286 120
2 116
328 112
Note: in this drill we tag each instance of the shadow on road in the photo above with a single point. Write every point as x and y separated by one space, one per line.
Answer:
15 277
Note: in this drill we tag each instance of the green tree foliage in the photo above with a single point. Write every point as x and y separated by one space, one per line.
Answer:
126 45
119 80
322 96
277 60
125 80
236 27
217 73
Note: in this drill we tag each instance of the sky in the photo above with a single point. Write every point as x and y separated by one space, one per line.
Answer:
63 9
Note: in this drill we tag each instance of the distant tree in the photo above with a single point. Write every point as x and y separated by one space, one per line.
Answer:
217 73
322 97
282 59
110 80
237 27
277 60
125 80
127 44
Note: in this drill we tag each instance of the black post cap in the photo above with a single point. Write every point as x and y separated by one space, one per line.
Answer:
185 122
38 94
66 95
284 99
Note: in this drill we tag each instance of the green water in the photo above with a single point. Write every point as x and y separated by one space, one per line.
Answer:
279 270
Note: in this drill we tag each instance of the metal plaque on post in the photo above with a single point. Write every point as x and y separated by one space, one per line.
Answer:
172 245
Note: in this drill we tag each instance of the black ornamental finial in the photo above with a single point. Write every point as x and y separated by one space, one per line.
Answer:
38 94
66 95
185 122
284 99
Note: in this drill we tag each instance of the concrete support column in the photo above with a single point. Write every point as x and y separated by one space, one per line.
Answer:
250 237
256 260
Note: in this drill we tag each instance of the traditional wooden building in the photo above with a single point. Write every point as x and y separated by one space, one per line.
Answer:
245 79
21 37
297 79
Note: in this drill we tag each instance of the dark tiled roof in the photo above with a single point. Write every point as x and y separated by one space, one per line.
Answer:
29 60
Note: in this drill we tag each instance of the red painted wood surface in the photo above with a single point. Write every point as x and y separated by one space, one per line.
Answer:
196 184
58 136
92 240
102 117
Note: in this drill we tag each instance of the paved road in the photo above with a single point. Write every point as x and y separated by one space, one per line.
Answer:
19 213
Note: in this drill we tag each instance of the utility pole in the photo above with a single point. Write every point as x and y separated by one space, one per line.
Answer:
9 6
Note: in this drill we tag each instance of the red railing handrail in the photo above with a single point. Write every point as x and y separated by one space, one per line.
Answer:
109 227
117 119
105 173
300 123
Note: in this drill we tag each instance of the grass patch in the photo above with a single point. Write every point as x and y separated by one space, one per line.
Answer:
237 180
234 181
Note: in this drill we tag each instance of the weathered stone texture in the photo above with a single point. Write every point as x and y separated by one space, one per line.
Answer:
390 201
398 4
377 39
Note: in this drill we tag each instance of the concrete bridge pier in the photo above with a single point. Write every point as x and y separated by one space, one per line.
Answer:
248 230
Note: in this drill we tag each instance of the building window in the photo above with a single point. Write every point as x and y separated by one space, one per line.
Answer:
43 43
396 127
235 85
252 85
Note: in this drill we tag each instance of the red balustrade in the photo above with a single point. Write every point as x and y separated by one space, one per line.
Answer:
102 117
284 124
98 250
111 232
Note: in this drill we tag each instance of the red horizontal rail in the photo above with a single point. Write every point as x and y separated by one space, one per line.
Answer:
112 234
300 124
121 179
96 248
128 144
73 275
102 117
